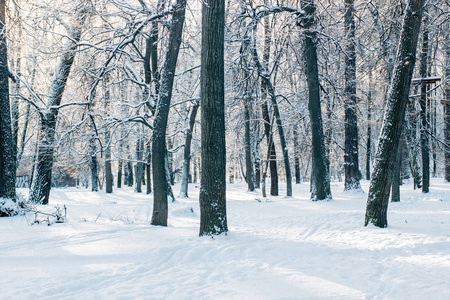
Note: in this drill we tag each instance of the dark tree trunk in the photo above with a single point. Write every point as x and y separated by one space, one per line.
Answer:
148 170
424 141
119 174
94 164
40 187
130 174
273 153
320 165
249 174
369 128
139 165
447 104
187 151
213 214
351 164
388 144
7 151
160 186
265 111
410 134
298 179
108 171
396 177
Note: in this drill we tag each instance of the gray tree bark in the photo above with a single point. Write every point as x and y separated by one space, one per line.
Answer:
378 198
213 214
40 187
160 186
320 170
7 151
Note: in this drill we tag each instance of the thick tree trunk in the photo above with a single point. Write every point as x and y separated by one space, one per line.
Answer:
148 170
160 186
40 187
369 128
94 164
187 151
396 177
213 214
119 173
351 163
320 165
424 140
378 199
130 173
7 151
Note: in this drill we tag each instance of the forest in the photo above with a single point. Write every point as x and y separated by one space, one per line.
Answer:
114 93
276 133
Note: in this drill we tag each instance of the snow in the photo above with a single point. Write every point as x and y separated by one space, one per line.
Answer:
279 248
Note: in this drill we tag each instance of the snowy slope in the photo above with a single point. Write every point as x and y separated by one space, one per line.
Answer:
279 248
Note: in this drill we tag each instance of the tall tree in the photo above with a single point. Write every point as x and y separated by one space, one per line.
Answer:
213 215
351 163
380 185
321 189
447 103
160 185
7 150
424 131
40 187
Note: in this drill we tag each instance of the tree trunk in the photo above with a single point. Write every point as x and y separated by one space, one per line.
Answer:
213 216
160 186
249 174
7 152
351 164
378 198
187 151
396 177
298 179
139 166
130 173
424 141
320 163
148 170
94 163
108 171
40 187
447 104
119 174
265 111
369 128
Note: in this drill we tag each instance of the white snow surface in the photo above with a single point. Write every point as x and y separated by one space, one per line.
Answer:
279 248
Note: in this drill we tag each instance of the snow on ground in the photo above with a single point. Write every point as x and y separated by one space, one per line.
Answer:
277 248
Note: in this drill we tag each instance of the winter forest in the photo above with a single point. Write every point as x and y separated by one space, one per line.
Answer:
308 140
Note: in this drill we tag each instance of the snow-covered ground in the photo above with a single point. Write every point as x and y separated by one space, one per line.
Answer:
277 248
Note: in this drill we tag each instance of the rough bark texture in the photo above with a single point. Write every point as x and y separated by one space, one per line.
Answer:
298 179
424 131
249 174
378 198
139 166
160 186
7 150
447 104
213 213
40 187
187 151
369 129
320 165
351 163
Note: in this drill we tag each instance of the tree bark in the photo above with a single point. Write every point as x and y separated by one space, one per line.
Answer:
40 187
298 179
388 144
160 186
213 216
447 104
7 152
320 163
187 151
424 140
249 174
351 163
